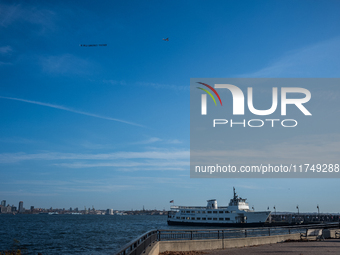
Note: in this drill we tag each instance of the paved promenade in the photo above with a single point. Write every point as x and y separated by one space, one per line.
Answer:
329 246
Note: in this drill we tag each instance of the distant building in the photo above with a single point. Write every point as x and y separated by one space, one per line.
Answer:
3 202
5 209
21 206
70 209
32 208
109 211
76 209
9 208
14 209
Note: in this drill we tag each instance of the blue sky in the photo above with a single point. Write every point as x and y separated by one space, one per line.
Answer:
109 126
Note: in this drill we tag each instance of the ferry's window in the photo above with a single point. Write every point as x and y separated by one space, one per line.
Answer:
187 211
198 212
220 218
209 218
214 218
198 218
203 211
227 212
209 211
204 218
214 211
193 218
220 211
227 218
188 218
233 211
177 218
183 218
192 211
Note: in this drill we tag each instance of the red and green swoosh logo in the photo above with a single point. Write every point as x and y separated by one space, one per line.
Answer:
209 93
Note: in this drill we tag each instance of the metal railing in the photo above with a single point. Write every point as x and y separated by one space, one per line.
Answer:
140 244
199 234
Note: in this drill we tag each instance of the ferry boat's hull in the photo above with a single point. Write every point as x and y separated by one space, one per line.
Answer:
216 224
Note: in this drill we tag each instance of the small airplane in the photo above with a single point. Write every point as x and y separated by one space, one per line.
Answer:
166 39
92 45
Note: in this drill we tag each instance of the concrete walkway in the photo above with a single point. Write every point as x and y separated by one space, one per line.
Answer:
329 246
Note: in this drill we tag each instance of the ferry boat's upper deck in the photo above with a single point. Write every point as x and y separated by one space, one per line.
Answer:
236 203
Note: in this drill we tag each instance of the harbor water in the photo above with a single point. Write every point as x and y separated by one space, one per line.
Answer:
94 234
75 234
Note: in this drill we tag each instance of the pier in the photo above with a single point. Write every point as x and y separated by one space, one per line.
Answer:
288 218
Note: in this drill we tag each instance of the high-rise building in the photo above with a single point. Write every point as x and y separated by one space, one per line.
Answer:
3 202
109 211
9 209
21 206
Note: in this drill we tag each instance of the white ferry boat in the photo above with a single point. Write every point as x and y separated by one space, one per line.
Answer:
236 214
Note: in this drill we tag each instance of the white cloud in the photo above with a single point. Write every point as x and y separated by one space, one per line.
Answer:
156 139
71 110
5 63
90 185
12 13
66 64
312 149
165 155
150 140
132 166
95 146
151 84
164 86
17 140
166 160
318 60
25 193
113 82
174 141
5 49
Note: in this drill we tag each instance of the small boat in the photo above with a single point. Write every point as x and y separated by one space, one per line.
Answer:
120 213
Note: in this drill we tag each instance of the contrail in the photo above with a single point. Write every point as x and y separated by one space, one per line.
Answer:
71 110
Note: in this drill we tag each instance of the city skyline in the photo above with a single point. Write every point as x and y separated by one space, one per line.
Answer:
109 126
22 209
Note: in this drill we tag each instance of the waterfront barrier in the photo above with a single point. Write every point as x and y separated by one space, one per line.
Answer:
155 241
140 244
